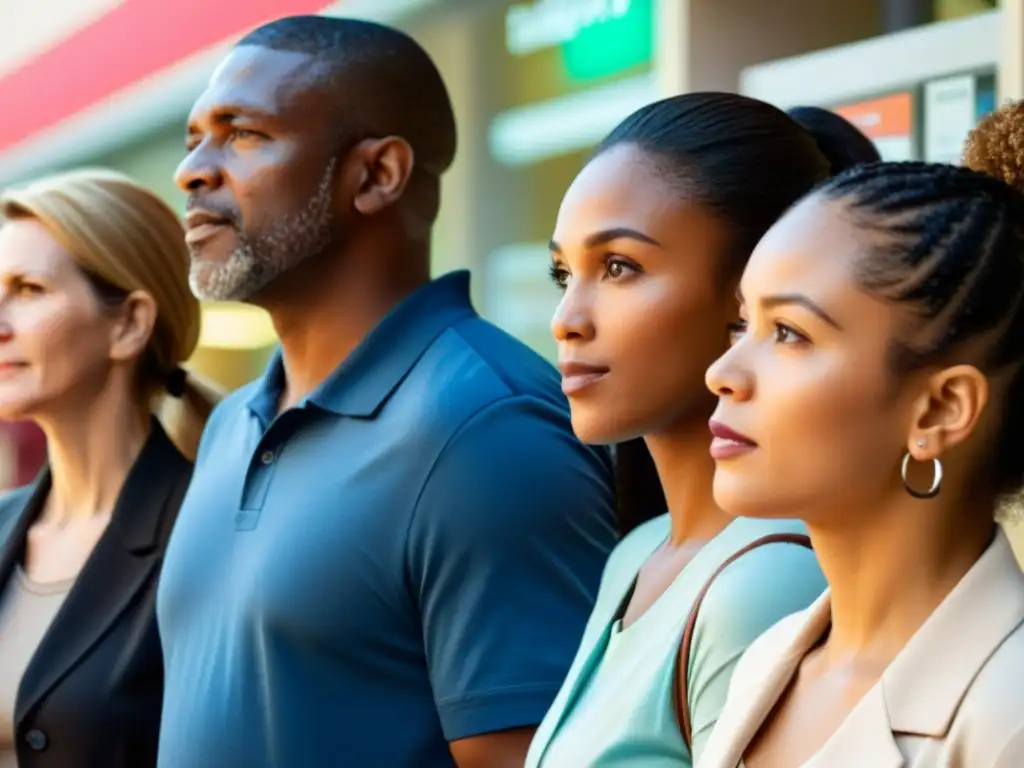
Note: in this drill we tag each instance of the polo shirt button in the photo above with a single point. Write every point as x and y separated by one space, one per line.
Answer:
267 457
36 739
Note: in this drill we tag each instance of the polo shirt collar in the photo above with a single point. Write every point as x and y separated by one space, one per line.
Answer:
921 690
364 381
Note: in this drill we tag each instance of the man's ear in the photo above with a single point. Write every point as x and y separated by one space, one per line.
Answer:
387 166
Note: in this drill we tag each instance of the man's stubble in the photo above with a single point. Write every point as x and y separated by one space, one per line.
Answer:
256 262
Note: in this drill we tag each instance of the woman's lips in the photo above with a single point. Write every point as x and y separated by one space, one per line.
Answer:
578 376
727 443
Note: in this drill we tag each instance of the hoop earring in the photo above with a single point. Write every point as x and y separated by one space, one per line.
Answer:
936 486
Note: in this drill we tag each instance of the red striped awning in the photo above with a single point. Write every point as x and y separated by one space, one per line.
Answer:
133 41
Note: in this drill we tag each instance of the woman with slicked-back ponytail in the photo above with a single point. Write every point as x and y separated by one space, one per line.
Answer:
640 496
649 244
96 323
877 373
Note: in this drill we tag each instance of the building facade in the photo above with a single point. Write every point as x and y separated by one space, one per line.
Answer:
535 83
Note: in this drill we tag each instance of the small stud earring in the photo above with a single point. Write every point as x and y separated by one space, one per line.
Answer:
921 442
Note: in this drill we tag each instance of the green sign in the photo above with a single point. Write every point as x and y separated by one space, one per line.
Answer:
613 44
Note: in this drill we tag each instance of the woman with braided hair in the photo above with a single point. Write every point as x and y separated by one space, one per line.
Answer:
875 387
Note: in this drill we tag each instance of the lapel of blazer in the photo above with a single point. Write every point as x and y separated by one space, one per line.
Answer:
919 694
926 683
921 690
760 679
121 563
21 508
864 738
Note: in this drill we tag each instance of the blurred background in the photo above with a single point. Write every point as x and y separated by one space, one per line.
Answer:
536 84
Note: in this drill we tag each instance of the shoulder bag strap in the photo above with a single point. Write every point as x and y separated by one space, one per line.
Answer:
679 689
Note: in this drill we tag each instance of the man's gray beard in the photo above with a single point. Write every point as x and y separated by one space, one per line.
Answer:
257 262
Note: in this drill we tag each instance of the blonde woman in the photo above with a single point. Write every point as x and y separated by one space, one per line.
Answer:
96 318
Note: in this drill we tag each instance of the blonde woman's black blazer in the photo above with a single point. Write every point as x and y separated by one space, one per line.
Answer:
92 693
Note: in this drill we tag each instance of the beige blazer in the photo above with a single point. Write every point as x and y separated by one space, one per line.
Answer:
952 698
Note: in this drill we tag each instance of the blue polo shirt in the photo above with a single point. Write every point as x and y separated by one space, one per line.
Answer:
406 558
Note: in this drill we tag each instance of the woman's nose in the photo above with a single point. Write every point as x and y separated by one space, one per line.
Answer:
727 378
573 318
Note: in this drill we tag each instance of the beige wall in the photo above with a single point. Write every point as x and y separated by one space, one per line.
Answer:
480 207
1011 70
452 52
729 35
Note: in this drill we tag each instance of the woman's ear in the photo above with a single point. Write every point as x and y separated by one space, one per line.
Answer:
133 327
948 411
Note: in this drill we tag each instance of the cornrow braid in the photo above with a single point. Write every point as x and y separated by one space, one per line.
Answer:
951 249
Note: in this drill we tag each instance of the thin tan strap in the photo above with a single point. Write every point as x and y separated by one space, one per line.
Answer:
680 695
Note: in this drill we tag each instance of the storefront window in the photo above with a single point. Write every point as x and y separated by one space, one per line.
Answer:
566 72
956 9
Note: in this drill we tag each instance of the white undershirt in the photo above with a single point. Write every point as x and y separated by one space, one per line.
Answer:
26 612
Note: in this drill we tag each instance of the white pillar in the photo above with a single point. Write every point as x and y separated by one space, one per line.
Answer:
1010 78
671 46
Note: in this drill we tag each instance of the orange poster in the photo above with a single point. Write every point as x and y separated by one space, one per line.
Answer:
888 121
888 116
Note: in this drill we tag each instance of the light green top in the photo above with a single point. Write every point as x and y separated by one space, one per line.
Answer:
615 706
